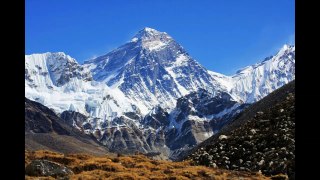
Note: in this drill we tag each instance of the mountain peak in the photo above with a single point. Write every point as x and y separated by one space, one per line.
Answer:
287 46
285 49
149 30
55 56
146 34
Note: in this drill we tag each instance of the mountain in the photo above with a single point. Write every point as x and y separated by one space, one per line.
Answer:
261 138
150 95
45 130
196 117
57 81
53 69
255 82
151 69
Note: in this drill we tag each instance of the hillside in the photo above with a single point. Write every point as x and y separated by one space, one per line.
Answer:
261 138
45 130
83 166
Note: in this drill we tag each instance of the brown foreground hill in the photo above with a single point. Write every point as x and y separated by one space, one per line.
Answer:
84 166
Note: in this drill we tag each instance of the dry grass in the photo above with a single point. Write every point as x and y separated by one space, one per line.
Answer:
133 167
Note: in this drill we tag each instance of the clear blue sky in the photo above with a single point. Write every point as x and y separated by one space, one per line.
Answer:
223 35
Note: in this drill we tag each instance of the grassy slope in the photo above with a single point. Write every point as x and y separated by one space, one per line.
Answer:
133 167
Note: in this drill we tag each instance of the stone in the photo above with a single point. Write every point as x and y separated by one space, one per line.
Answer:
260 163
47 168
221 137
253 131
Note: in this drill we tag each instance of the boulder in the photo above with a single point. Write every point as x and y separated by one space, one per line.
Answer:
41 167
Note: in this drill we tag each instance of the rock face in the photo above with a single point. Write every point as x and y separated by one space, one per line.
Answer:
73 118
196 117
261 138
193 120
47 168
157 118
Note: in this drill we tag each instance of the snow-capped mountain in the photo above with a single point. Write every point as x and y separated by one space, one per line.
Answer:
57 81
152 69
150 94
254 82
53 69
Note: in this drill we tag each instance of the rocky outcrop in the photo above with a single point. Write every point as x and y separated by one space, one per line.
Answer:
73 118
123 135
157 118
47 168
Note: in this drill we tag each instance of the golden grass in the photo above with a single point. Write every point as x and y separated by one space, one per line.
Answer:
133 167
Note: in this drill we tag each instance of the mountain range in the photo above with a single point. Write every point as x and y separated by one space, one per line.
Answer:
150 95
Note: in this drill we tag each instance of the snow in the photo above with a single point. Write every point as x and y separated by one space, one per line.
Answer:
134 39
154 45
181 60
181 89
252 83
225 81
150 30
75 94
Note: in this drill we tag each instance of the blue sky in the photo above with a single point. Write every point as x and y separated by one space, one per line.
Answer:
221 35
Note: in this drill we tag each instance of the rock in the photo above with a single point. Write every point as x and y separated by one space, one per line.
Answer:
221 137
270 163
87 125
253 131
260 113
214 165
47 168
281 110
260 163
